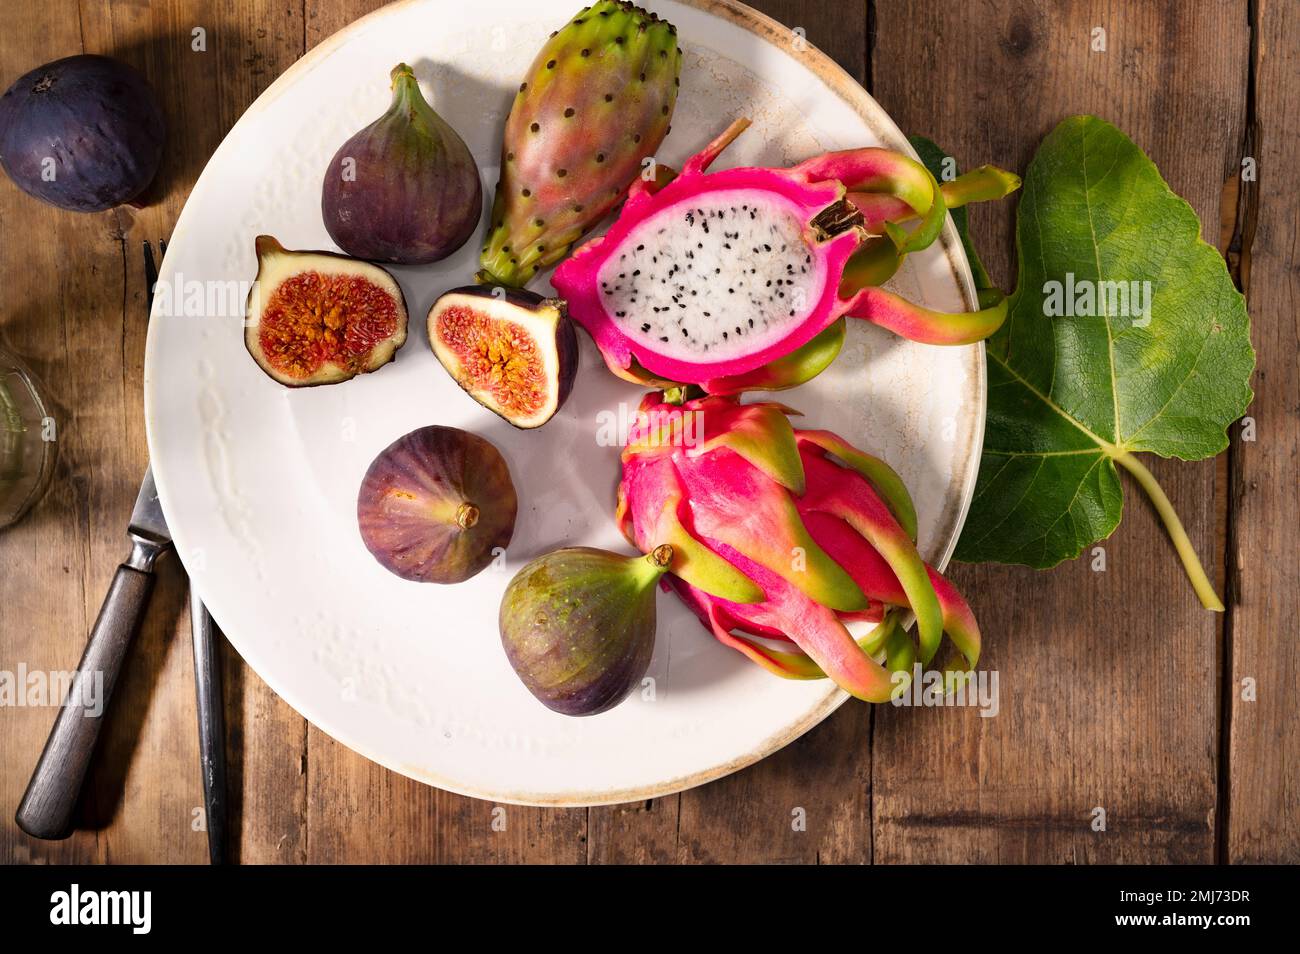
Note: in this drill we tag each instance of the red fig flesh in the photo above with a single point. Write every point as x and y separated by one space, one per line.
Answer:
320 318
511 350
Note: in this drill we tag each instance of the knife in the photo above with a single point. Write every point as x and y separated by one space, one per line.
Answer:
46 810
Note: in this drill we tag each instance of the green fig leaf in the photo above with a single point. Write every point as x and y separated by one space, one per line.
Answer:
1126 334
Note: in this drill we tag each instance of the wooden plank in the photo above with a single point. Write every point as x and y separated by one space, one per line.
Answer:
1263 824
359 811
1108 679
65 279
324 19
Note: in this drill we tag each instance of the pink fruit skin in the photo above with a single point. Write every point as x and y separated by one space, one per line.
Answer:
833 504
825 193
576 280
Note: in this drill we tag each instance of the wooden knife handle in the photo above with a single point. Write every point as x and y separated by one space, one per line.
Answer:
46 810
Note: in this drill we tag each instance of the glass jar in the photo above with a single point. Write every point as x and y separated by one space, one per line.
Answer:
28 440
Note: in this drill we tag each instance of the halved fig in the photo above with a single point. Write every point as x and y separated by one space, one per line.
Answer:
513 351
437 505
319 317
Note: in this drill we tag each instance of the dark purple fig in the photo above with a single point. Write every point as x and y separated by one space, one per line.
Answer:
319 317
405 189
511 350
437 505
578 626
84 133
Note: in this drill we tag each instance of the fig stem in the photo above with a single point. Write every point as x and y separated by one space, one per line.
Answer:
400 70
660 557
466 515
407 97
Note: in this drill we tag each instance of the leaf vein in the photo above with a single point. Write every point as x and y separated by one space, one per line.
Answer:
1010 513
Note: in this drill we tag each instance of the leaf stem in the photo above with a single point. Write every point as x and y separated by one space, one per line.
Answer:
1195 572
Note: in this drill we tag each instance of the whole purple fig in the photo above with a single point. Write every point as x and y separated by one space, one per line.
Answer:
84 133
405 189
437 505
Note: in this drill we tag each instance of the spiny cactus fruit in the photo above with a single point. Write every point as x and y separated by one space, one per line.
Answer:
595 103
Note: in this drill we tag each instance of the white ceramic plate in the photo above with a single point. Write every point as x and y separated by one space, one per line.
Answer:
259 482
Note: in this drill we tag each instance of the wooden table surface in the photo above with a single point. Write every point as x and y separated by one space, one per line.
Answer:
1118 691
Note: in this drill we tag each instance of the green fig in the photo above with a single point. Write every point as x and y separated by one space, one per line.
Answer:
578 625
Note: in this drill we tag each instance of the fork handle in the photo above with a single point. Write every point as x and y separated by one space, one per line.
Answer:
46 810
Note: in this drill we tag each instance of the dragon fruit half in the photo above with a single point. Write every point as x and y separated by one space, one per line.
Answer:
780 536
710 277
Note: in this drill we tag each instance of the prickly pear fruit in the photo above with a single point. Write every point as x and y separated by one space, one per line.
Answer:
595 103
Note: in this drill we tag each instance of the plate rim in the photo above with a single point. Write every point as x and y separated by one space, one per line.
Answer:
838 81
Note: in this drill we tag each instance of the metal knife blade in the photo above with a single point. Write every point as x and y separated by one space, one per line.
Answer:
147 522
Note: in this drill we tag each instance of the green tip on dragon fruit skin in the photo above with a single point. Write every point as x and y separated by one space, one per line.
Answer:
878 580
825 646
879 258
760 433
881 476
887 642
883 171
798 367
932 327
858 506
595 103
985 184
875 262
655 479
754 515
